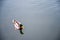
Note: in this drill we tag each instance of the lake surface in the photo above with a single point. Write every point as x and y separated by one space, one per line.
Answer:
41 19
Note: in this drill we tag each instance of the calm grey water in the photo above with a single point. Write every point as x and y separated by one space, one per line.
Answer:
41 19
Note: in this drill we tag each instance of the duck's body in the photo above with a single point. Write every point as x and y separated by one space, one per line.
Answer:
18 26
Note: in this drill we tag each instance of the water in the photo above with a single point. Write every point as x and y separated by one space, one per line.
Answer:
41 19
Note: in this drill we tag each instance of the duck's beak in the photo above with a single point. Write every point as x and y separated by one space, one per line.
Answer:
23 27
